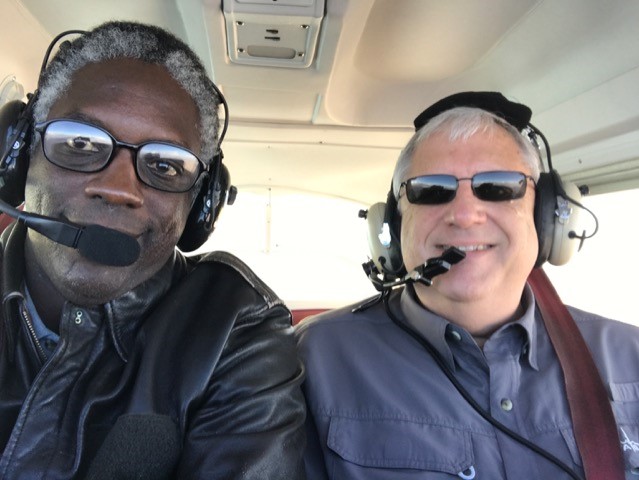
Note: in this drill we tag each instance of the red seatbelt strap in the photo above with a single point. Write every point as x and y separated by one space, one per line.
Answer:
592 418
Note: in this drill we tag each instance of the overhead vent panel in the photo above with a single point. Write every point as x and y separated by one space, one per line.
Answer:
274 33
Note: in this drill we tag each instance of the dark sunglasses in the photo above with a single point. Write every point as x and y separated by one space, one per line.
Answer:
83 147
497 186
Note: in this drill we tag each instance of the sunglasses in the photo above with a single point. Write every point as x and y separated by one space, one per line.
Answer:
497 186
83 147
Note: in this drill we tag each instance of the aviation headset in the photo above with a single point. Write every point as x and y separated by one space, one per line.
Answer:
555 220
16 132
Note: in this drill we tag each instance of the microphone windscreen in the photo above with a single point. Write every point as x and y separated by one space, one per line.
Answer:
138 446
107 246
95 242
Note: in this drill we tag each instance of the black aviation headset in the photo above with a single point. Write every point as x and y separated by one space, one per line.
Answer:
16 131
555 220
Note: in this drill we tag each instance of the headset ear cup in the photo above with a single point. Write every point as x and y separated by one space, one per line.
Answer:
378 235
383 240
213 195
566 221
199 224
14 163
555 218
395 266
225 193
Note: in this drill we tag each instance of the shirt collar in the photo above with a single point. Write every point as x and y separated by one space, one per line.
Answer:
525 327
430 326
530 325
438 331
47 338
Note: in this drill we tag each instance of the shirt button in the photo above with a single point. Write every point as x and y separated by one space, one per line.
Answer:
455 335
468 474
506 404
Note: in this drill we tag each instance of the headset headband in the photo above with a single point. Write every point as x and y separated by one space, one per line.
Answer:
516 114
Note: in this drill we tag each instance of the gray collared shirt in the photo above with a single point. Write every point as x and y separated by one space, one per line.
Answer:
381 408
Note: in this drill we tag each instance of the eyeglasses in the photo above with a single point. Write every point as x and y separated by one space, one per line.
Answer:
497 186
83 147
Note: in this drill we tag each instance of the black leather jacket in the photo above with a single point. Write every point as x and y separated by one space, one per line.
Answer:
194 374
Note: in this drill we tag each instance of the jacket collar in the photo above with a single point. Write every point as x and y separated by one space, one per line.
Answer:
124 315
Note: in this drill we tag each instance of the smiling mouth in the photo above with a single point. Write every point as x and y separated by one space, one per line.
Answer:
467 248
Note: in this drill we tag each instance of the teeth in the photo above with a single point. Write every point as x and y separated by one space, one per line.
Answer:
468 248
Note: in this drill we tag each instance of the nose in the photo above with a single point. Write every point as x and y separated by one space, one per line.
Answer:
118 183
465 210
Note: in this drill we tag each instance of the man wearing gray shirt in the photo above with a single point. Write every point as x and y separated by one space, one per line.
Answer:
381 377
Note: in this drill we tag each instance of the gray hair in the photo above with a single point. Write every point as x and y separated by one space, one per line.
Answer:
462 123
142 42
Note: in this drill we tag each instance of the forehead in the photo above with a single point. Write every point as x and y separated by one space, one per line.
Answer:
131 98
492 149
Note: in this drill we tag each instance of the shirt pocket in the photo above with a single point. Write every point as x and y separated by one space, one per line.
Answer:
369 448
625 406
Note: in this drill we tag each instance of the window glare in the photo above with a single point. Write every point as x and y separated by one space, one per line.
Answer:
602 277
310 249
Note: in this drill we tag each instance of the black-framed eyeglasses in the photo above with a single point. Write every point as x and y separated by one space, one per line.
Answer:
494 186
82 147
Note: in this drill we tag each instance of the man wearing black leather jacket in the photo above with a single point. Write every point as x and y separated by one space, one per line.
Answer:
119 356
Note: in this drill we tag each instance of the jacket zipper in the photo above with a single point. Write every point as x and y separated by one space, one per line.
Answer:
36 342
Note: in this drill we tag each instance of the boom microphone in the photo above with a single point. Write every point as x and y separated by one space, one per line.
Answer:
95 242
422 274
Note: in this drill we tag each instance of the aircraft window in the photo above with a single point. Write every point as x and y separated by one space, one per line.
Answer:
602 277
310 250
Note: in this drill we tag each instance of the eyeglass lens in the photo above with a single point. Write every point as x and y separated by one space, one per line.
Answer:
494 186
82 147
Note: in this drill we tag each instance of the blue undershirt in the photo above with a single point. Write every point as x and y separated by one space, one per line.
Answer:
47 338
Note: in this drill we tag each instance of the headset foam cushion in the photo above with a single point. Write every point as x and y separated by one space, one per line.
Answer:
206 209
199 223
545 206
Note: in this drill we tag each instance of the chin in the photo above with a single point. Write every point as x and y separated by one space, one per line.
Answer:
463 284
85 282
98 294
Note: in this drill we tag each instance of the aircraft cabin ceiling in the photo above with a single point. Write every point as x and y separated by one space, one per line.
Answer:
329 116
